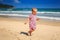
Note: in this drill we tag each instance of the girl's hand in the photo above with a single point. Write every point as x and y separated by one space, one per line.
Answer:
25 23
38 19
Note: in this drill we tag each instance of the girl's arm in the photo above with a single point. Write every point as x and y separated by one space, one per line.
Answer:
38 19
26 21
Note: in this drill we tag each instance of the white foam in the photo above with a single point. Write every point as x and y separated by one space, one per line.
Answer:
14 15
49 12
28 12
44 17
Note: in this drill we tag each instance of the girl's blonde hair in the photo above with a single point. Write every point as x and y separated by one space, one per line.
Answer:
34 9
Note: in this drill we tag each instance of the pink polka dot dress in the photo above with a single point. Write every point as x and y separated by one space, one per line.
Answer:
32 22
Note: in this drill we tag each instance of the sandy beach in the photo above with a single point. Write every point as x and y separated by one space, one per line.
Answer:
15 29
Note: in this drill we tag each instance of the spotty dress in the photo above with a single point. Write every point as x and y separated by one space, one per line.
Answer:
32 22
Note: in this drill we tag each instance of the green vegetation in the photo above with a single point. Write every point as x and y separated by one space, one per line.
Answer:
6 6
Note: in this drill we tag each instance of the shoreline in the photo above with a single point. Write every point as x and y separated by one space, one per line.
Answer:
41 21
42 17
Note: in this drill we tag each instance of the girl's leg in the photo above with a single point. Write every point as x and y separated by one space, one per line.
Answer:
30 32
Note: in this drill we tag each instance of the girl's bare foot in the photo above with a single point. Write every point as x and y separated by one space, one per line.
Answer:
29 33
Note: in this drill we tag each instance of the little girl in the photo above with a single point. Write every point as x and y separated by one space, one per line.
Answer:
32 21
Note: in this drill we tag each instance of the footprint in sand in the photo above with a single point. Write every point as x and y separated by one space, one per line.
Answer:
56 36
14 34
6 35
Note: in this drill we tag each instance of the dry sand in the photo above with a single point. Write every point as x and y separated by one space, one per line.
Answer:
11 29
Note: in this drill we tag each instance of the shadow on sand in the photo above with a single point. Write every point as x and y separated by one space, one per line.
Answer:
25 33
